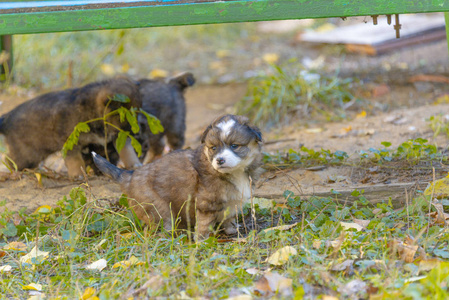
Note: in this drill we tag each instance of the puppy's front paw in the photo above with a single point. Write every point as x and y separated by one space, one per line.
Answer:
230 227
136 165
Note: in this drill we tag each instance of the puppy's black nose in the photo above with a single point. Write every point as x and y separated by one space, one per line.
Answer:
220 161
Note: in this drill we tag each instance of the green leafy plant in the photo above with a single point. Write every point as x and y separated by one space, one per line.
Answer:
275 97
303 157
412 150
130 115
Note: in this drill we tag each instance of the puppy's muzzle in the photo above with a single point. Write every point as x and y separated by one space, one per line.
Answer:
221 161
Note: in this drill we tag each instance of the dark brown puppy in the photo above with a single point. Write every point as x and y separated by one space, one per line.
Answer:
215 177
165 100
40 126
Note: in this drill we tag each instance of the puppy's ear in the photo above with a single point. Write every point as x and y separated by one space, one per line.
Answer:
256 132
183 80
203 136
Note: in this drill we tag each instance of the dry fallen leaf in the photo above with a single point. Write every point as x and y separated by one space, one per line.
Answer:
253 271
438 216
281 256
346 265
355 226
17 246
132 261
155 282
363 223
5 269
158 73
97 265
33 286
314 130
270 58
352 288
272 283
316 244
107 69
281 228
361 115
35 254
405 251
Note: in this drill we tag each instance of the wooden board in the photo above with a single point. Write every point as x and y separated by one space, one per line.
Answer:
19 17
375 39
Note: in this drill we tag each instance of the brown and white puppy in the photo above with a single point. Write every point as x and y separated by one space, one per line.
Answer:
39 127
215 177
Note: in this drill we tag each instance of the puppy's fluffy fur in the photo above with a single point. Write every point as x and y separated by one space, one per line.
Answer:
215 177
165 100
40 126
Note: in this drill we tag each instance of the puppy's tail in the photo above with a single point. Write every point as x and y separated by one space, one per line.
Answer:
2 119
109 169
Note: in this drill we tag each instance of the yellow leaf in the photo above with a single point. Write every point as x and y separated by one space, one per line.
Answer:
158 73
438 188
88 293
281 256
97 265
44 209
39 178
270 58
125 68
325 27
33 286
274 283
132 261
35 254
314 130
442 99
107 69
222 53
346 129
361 115
18 246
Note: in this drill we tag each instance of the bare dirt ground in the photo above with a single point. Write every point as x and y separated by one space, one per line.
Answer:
208 102
411 104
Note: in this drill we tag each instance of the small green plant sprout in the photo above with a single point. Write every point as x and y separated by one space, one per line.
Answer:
304 157
284 92
439 124
130 115
413 150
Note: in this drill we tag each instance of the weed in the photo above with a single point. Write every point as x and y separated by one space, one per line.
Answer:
413 151
286 92
130 115
439 124
304 157
81 230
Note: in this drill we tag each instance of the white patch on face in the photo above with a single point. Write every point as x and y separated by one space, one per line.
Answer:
231 161
225 127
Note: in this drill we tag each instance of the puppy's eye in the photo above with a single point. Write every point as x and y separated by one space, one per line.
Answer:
234 146
213 148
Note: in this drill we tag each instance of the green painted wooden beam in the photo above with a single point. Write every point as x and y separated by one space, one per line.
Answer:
151 13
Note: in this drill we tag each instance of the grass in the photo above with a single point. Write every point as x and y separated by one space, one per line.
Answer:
81 230
77 58
287 92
